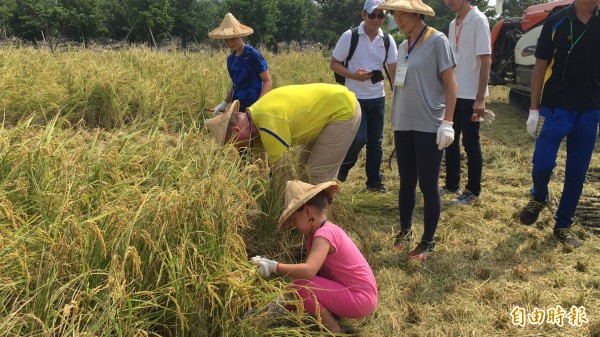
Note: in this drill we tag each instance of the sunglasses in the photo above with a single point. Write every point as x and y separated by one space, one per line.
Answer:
374 16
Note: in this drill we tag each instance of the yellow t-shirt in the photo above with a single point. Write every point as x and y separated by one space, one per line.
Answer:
296 114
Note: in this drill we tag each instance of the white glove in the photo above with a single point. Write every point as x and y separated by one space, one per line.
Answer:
265 266
488 117
219 109
445 135
255 260
532 122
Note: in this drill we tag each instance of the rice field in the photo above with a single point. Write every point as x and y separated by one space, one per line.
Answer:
120 217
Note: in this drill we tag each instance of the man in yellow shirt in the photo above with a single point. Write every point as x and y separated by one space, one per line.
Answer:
323 118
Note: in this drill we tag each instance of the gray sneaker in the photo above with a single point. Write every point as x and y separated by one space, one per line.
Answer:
467 198
567 237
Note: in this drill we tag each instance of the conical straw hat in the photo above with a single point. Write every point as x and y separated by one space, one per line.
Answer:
230 27
297 193
218 125
409 6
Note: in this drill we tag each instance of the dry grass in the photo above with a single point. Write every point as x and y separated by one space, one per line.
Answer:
486 262
144 228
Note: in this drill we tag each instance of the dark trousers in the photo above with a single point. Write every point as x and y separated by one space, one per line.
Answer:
419 160
470 140
370 133
580 128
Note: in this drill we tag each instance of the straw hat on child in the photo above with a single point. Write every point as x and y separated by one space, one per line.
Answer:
230 27
409 6
218 125
297 193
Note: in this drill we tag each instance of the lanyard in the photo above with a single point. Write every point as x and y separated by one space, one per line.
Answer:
580 36
573 44
458 29
314 230
251 140
410 48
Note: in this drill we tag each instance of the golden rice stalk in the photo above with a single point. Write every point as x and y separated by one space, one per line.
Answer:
71 310
100 237
135 259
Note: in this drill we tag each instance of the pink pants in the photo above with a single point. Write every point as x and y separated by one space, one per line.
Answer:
339 299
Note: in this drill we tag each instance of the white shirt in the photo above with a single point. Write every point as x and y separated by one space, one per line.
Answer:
474 41
368 55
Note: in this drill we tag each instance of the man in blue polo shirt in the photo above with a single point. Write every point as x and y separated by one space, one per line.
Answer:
566 77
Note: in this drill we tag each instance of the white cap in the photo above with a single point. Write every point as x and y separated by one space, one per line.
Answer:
371 5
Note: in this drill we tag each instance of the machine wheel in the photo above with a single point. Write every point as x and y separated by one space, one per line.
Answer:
519 99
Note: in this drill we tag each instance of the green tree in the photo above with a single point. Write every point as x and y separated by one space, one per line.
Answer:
117 20
7 7
33 20
80 20
294 22
337 16
193 17
186 17
149 20
261 15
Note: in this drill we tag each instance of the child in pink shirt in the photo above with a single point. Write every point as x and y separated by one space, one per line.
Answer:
336 278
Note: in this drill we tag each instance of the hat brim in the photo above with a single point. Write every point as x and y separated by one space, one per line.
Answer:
285 222
218 125
228 33
408 7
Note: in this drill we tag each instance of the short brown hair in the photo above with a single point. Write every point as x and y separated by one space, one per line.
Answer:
233 121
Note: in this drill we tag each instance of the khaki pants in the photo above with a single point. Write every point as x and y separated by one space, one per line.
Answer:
324 156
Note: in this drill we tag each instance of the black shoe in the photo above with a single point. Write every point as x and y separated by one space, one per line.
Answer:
424 250
567 237
531 212
403 240
377 189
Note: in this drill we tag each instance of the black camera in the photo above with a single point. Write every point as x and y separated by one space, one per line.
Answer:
377 76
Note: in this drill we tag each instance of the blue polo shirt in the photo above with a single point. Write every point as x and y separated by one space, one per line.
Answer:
244 70
572 49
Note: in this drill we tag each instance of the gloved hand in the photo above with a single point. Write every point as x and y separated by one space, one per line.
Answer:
445 135
532 122
265 266
488 117
255 260
219 109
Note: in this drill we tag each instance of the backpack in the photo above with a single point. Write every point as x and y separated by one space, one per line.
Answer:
353 42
